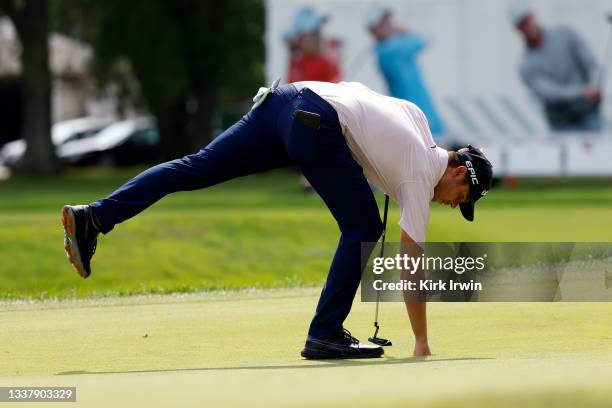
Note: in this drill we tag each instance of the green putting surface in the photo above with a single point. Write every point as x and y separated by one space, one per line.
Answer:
238 349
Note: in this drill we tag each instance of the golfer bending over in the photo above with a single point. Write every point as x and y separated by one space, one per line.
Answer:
339 135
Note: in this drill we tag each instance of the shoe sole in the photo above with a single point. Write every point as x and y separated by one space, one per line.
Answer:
70 242
310 354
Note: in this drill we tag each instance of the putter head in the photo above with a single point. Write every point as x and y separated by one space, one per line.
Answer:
379 341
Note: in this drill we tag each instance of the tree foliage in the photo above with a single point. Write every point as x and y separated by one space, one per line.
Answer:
187 55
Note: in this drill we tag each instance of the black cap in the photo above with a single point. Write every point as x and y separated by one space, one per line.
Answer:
479 175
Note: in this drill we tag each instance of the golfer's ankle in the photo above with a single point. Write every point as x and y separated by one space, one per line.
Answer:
96 221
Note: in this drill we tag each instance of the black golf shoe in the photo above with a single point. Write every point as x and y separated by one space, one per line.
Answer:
340 346
80 237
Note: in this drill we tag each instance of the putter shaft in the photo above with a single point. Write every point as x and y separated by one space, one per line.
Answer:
375 339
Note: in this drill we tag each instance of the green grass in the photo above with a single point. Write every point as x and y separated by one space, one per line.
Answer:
242 349
260 231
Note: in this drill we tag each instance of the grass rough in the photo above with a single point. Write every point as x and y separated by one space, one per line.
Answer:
260 231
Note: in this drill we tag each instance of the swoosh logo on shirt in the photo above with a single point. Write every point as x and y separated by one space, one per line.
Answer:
434 146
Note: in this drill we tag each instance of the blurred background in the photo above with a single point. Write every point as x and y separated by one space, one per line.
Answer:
92 92
161 78
468 56
157 77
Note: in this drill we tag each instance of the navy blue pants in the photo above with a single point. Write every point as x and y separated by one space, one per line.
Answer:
268 138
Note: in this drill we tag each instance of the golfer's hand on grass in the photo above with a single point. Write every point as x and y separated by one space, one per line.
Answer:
421 348
415 304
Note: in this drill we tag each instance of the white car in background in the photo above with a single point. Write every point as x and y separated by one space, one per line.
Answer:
62 132
131 141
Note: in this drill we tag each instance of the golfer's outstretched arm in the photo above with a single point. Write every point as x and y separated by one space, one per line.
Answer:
415 306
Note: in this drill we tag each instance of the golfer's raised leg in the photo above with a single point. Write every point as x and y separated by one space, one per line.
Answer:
250 146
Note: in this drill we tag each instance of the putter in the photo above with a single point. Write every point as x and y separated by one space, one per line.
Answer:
375 339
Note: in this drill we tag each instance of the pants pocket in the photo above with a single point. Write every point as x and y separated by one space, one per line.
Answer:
302 144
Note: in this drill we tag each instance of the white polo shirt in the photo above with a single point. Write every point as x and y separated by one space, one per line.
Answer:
391 140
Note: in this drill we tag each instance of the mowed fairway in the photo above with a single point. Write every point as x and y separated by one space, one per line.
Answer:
260 231
241 349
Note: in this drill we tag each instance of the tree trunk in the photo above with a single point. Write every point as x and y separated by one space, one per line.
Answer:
172 126
201 134
209 20
32 23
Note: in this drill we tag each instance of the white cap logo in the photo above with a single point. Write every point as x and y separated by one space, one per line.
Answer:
473 177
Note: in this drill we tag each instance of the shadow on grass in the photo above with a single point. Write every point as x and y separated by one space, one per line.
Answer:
305 365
